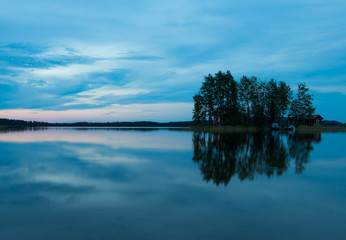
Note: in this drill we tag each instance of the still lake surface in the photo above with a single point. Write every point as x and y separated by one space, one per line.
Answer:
67 183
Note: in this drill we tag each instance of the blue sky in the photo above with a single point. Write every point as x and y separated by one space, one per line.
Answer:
143 60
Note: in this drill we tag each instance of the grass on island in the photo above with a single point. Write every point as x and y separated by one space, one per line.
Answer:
300 129
225 129
307 129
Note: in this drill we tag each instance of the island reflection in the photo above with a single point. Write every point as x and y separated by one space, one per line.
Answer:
222 156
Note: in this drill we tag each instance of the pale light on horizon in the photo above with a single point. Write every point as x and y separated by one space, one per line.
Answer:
162 112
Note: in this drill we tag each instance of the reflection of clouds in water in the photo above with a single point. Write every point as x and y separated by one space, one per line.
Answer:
55 189
115 138
65 166
24 187
341 162
60 186
96 155
72 179
52 175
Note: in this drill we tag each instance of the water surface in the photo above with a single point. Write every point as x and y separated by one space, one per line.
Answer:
165 184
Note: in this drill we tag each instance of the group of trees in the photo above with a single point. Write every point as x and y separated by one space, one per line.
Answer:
249 101
22 123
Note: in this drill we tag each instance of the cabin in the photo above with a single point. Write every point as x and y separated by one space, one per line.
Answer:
313 120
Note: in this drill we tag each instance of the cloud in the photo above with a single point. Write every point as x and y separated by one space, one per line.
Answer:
65 49
335 163
72 70
330 89
94 96
131 112
95 155
111 90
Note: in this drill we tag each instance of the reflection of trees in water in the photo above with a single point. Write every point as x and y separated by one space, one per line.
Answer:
300 146
221 156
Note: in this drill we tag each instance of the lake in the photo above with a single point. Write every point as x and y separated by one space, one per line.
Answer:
110 183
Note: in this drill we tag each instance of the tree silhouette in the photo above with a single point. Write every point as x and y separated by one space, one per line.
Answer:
302 105
224 101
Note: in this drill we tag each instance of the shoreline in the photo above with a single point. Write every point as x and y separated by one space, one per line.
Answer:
211 129
300 129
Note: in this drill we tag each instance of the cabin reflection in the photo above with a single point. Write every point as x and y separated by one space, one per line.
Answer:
220 157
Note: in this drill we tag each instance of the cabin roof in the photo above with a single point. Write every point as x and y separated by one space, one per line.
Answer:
313 116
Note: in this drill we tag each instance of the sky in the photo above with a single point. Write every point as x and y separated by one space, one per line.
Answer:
117 60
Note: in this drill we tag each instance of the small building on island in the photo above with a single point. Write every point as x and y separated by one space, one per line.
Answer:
313 120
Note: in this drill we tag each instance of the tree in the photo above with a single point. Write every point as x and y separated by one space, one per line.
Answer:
249 101
222 82
218 95
233 105
302 105
284 98
259 104
279 97
247 89
226 95
272 99
208 94
198 110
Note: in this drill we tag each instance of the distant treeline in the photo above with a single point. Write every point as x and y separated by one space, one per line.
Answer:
22 123
124 124
333 123
222 100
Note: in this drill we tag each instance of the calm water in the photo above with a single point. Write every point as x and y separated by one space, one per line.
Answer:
165 184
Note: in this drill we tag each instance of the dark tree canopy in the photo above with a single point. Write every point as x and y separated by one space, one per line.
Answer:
302 105
222 100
